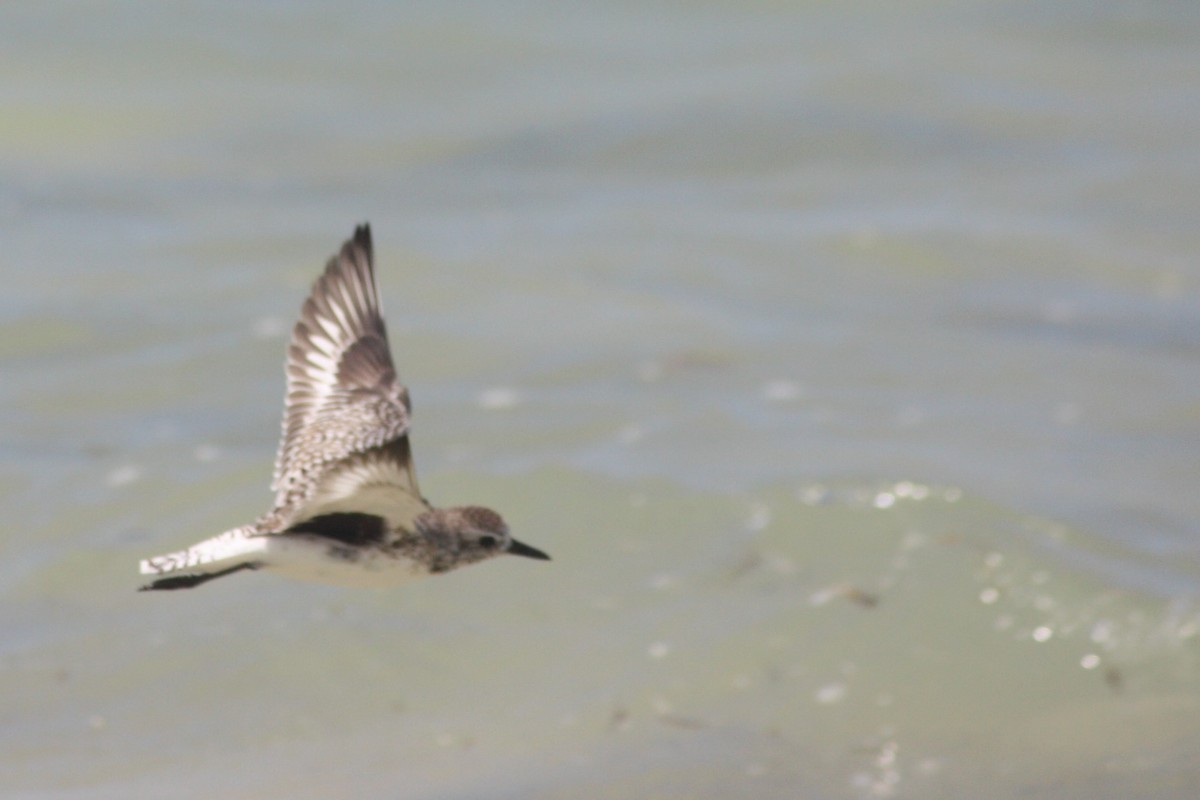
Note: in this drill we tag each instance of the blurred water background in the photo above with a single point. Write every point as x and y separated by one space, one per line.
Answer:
843 355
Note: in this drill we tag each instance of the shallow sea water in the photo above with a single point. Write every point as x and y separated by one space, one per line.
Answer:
844 359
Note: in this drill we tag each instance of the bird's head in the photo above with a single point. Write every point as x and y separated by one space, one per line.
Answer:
473 533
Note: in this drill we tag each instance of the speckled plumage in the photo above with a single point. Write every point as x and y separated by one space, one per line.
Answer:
347 506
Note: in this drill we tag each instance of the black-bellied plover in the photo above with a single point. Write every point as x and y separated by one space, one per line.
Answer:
347 507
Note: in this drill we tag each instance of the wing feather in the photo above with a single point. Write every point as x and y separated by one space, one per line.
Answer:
345 404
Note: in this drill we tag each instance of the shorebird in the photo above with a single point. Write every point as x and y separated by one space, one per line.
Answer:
347 507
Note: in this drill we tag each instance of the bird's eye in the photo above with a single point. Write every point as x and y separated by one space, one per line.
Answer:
487 541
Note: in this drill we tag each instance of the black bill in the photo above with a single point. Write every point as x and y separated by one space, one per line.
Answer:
518 549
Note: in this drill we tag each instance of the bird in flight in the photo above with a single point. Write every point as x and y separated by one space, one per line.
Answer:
347 507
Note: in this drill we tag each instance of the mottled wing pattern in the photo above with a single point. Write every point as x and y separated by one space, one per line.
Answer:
344 400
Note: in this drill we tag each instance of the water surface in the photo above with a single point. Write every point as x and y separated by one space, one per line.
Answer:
843 358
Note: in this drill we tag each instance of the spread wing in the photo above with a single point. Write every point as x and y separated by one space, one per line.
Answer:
346 417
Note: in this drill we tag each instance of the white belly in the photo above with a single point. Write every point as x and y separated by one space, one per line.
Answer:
314 558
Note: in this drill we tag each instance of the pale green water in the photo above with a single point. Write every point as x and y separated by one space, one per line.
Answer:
844 358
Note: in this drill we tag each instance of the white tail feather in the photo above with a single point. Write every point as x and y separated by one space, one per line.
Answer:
211 555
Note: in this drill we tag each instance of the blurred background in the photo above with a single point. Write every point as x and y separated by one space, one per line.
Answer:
844 357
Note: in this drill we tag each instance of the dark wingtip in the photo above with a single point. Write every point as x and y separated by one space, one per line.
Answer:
188 581
362 237
166 584
360 242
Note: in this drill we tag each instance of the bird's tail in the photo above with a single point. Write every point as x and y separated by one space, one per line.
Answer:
230 552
